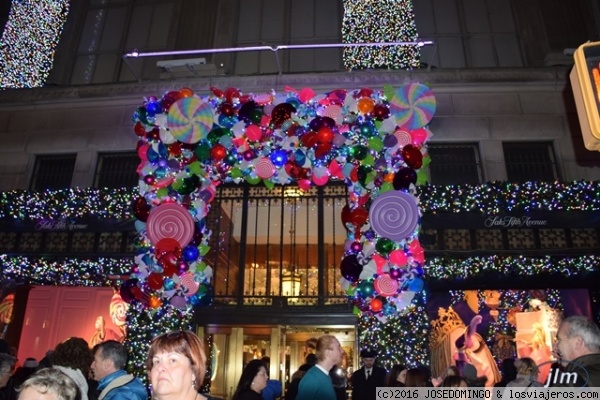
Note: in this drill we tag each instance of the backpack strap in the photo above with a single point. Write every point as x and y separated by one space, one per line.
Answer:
115 383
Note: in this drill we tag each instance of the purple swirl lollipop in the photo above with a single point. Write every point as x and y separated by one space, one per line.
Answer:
394 215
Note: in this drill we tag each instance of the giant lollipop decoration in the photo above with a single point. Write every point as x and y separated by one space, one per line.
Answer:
394 215
170 221
413 105
189 120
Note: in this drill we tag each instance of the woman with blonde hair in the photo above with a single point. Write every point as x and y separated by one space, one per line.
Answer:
527 373
50 384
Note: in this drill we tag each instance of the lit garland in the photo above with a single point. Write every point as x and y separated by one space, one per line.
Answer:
493 198
489 198
64 271
376 22
105 204
400 339
494 265
30 37
143 325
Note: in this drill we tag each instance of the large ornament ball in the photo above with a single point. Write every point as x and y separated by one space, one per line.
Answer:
141 209
317 123
186 92
139 129
218 152
325 135
281 113
385 246
365 105
360 152
248 155
351 268
169 284
381 112
356 247
376 305
190 253
153 108
126 291
367 129
404 178
231 159
227 109
396 273
365 288
155 281
187 185
203 152
256 115
215 134
412 156
278 158
309 139
154 302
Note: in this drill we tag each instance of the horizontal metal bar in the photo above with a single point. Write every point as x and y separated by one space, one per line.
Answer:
136 54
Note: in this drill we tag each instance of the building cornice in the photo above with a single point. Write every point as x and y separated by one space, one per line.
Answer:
441 80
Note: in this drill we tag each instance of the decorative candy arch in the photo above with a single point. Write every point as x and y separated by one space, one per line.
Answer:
374 141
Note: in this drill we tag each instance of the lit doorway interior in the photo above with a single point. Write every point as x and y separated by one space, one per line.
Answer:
286 346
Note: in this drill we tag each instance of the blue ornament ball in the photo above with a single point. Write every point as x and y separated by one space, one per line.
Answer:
190 253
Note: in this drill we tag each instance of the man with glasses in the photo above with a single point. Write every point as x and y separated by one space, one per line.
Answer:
578 349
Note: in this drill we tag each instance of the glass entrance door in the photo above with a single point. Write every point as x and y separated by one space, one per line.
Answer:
231 348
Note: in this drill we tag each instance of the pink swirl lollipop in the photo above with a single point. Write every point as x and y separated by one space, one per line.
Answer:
189 284
334 112
385 285
170 220
189 120
413 105
394 215
264 168
403 137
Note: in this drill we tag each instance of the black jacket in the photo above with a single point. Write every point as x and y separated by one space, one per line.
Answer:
364 389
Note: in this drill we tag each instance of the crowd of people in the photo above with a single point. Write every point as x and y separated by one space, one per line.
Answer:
176 368
577 351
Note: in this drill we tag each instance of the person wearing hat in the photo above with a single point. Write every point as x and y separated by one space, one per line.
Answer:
366 379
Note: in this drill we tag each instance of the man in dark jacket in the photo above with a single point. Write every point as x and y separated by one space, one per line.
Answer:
367 378
578 343
114 382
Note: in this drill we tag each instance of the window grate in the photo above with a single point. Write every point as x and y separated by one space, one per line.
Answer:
268 244
454 163
53 172
530 161
117 170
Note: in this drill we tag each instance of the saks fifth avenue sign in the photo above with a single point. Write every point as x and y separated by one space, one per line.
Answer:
59 225
514 222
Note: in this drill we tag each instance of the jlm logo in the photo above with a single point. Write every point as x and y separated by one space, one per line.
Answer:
558 377
576 376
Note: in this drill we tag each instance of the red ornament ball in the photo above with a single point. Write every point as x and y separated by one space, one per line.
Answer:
218 152
376 305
